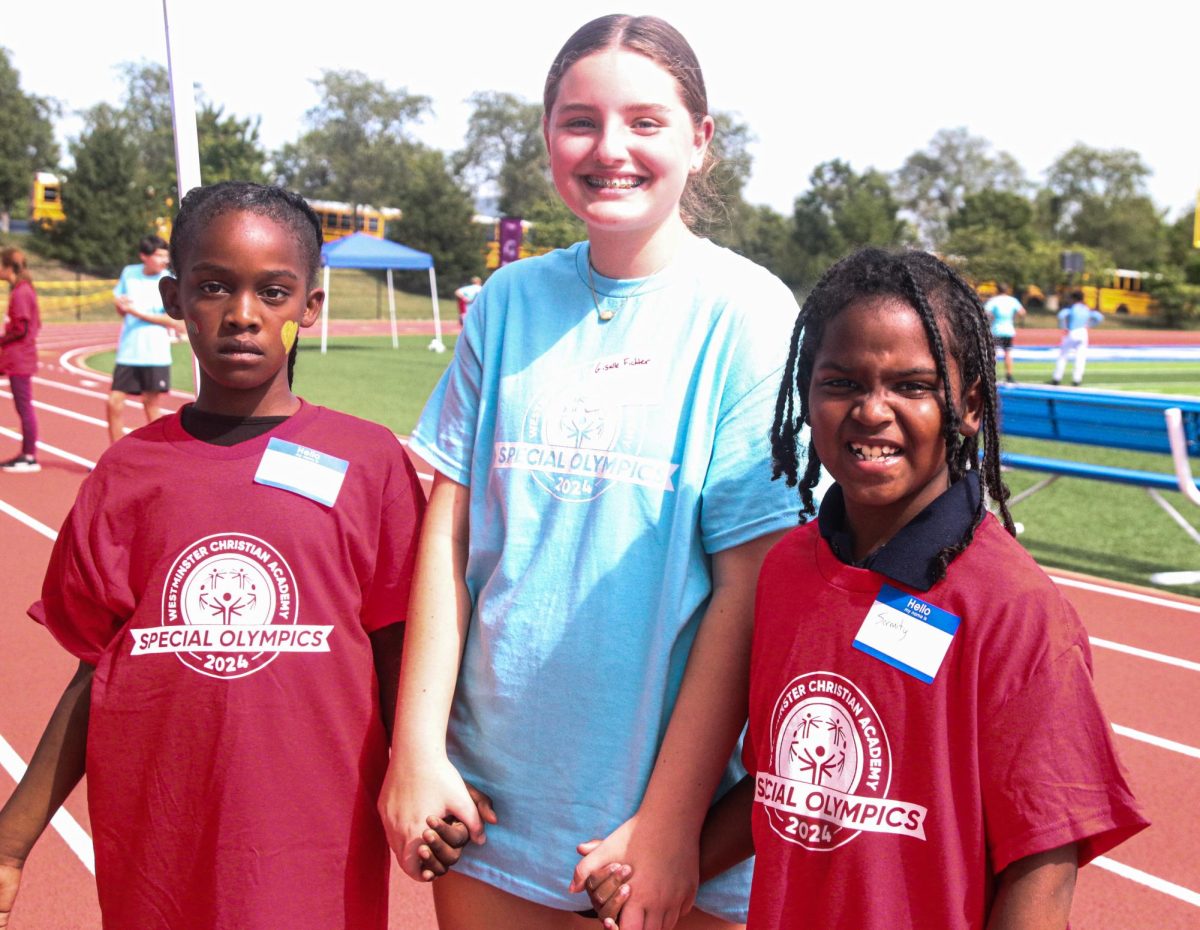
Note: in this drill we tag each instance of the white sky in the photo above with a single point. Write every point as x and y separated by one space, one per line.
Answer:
868 82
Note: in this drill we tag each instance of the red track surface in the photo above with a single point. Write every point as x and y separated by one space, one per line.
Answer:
1146 696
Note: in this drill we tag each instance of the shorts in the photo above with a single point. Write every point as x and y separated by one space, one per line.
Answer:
142 379
1004 342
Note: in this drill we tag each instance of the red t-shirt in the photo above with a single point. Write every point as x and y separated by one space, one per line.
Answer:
882 801
235 746
19 357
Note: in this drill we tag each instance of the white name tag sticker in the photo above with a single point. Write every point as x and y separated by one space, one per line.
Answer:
907 633
302 471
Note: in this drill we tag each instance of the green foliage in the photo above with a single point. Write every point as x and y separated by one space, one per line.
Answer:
1178 300
437 214
843 211
933 183
104 205
26 136
554 225
348 133
229 147
504 147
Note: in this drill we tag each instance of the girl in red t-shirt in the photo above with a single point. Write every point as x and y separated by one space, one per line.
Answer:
18 354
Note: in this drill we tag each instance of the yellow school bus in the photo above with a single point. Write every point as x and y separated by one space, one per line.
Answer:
1119 291
340 219
45 203
490 227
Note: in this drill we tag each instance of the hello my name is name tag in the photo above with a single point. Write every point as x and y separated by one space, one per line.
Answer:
302 471
907 633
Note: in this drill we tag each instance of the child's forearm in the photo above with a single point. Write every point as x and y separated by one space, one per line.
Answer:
54 771
1035 893
725 839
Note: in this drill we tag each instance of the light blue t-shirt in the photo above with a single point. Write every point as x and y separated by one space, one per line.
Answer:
606 461
1079 316
142 343
1003 309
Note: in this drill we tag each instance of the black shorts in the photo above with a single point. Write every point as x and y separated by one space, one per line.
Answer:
142 379
1004 342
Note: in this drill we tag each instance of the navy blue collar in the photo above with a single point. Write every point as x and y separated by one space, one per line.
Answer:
909 556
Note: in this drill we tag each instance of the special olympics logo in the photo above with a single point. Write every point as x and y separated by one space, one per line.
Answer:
230 606
828 776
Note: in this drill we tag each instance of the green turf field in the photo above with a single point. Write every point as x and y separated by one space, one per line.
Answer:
1095 527
362 375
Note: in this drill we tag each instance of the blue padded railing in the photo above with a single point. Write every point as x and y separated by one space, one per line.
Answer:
1096 418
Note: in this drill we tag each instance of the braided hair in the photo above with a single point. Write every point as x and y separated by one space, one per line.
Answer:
201 205
936 293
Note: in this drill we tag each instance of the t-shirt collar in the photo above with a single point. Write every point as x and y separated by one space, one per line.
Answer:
910 556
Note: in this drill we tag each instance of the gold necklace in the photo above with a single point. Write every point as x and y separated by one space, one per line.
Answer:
605 315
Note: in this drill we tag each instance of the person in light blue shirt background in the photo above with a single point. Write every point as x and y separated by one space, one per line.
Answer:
1003 310
143 366
1075 320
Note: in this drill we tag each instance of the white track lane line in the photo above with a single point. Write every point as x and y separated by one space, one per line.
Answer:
21 517
1186 895
67 360
1182 748
1145 654
63 411
53 450
1120 592
99 395
67 826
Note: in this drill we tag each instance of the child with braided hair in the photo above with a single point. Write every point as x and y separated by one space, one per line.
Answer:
925 745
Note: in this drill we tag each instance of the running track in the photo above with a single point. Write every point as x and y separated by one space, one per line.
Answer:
1146 648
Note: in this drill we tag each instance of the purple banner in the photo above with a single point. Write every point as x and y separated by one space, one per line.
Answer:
510 239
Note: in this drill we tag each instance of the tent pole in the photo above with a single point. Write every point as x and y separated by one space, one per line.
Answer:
325 313
392 309
437 345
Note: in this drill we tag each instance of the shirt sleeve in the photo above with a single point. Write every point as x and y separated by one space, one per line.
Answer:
86 599
122 287
385 600
1051 775
739 501
445 434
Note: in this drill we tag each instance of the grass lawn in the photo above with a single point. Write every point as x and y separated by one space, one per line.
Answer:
362 375
1102 529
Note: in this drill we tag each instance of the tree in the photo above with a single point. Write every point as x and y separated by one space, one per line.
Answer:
505 148
348 133
104 206
229 147
26 138
933 183
436 211
1098 198
843 211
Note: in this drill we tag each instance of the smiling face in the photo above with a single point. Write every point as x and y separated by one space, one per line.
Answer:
876 408
242 290
622 144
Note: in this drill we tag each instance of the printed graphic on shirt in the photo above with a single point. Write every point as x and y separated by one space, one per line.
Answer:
584 432
826 777
230 606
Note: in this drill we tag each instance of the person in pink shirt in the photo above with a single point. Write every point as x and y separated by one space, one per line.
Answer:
18 355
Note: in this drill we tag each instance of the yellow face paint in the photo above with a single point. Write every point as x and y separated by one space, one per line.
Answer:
288 334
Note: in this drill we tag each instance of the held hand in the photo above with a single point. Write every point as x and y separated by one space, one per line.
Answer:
410 792
607 887
667 867
124 304
445 838
10 880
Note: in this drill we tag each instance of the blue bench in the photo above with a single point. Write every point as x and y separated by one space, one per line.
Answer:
1133 422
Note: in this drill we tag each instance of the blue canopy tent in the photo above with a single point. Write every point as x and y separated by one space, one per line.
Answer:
362 251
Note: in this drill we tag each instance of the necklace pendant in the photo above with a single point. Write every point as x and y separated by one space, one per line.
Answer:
606 315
